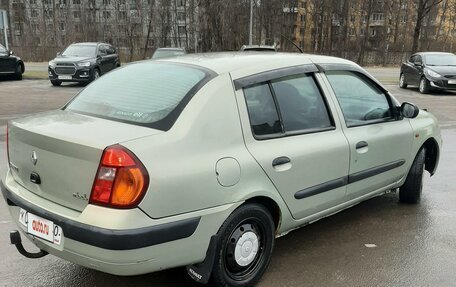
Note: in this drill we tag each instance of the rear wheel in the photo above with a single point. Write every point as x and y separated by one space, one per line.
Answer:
246 241
56 83
410 192
425 86
402 83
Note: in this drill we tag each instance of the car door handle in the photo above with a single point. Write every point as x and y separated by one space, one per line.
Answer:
281 160
361 144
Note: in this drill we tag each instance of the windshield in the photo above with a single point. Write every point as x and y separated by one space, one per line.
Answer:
167 53
142 93
80 51
441 60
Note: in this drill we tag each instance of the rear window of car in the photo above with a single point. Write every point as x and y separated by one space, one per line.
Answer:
148 93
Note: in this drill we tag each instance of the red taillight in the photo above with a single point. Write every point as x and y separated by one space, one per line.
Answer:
121 179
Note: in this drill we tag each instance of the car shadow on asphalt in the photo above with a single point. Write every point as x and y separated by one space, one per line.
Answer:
436 92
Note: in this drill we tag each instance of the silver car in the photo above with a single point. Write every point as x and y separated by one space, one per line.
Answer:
203 160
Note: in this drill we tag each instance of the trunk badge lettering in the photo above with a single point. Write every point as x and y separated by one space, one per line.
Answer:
34 158
81 196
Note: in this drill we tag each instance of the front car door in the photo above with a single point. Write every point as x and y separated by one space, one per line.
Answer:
7 63
380 141
291 131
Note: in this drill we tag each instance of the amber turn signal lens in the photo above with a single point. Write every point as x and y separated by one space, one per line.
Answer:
127 187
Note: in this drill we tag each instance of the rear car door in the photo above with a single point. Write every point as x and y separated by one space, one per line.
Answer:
407 67
416 71
380 141
291 132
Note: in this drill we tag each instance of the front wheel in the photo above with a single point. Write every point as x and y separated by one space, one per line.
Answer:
410 192
96 74
425 86
402 83
18 73
244 249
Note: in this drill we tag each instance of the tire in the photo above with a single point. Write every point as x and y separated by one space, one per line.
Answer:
425 86
56 83
253 225
402 83
410 191
18 73
96 74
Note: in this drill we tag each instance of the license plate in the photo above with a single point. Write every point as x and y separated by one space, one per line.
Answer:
452 82
40 227
65 77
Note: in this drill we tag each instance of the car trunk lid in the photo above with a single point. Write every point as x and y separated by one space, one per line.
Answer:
63 149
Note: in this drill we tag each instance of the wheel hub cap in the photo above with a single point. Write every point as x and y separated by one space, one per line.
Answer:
246 248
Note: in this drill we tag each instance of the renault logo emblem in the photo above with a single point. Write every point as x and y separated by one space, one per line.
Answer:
34 158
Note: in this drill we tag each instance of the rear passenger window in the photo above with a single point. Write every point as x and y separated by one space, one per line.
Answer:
301 104
264 119
287 105
361 101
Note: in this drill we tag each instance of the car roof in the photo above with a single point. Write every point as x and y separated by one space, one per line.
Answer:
265 47
433 53
171 49
89 43
252 62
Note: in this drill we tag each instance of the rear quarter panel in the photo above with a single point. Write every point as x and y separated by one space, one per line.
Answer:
182 162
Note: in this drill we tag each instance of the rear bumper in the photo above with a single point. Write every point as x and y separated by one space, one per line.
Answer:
109 238
138 244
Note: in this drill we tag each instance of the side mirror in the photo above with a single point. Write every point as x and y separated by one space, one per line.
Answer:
418 64
57 54
11 53
409 110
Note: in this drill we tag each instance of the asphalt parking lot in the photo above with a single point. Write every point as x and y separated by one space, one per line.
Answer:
377 243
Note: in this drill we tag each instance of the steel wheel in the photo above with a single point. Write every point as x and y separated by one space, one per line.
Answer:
244 250
245 247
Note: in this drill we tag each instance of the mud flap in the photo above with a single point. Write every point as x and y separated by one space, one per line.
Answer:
201 272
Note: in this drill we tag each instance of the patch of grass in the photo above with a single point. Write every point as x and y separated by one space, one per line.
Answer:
35 75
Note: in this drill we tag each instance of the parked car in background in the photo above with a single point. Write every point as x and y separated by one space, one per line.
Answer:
168 52
429 71
203 160
261 48
83 63
11 64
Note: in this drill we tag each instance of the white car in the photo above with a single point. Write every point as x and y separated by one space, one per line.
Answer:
203 160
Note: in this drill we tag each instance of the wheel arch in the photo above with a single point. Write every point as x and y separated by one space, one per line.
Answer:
432 155
270 205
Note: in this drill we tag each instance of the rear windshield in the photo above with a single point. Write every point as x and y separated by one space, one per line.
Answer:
147 93
167 53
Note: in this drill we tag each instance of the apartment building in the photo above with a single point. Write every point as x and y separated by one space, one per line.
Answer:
135 27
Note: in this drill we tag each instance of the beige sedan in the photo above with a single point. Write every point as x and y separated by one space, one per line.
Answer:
203 160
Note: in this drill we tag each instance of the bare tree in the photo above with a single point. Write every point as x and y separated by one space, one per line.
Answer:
423 8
